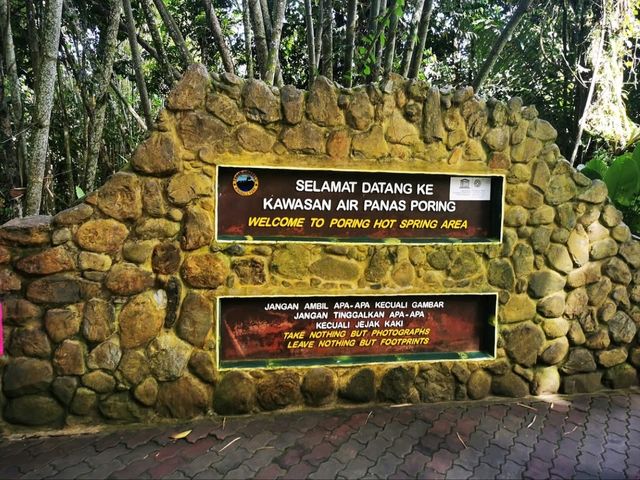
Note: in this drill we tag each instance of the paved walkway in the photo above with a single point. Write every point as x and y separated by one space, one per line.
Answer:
581 436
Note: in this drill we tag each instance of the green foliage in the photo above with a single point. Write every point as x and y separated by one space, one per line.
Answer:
622 176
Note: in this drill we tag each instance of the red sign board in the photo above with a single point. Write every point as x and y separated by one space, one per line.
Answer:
324 330
267 204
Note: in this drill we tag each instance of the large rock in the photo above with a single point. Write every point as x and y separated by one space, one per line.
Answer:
260 104
509 385
98 262
158 155
578 245
68 358
561 189
203 366
433 128
205 270
436 384
360 113
53 260
617 270
555 351
225 109
400 131
292 103
153 198
62 323
519 308
168 357
147 391
622 328
34 410
58 289
630 251
291 261
84 401
330 268
141 319
102 236
134 366
524 195
371 144
121 197
196 317
545 282
73 216
613 357
128 279
559 258
322 103
596 193
191 91
522 343
576 303
29 342
500 274
582 383
279 390
552 306
186 397
98 321
305 137
250 271
23 376
360 387
99 381
120 406
28 231
319 386
18 311
580 360
555 327
397 386
479 384
185 187
546 381
600 249
165 258
621 376
522 259
106 356
254 138
235 393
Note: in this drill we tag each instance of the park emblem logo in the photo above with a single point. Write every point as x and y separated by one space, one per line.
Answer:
245 183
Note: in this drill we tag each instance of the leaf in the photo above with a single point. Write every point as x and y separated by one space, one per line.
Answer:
79 192
178 436
595 168
623 179
367 70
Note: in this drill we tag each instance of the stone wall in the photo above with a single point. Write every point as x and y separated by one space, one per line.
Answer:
109 305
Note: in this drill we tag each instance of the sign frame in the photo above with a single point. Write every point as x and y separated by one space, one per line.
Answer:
247 239
360 360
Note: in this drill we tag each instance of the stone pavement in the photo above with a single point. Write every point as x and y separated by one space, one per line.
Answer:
581 436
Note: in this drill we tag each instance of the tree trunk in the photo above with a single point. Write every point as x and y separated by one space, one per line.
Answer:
319 32
506 34
311 43
45 89
137 63
108 43
127 107
352 9
161 54
218 37
13 87
66 137
266 18
276 34
257 23
174 32
410 44
248 41
33 37
326 62
423 30
390 46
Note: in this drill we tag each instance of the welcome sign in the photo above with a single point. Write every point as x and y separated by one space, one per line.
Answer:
268 204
